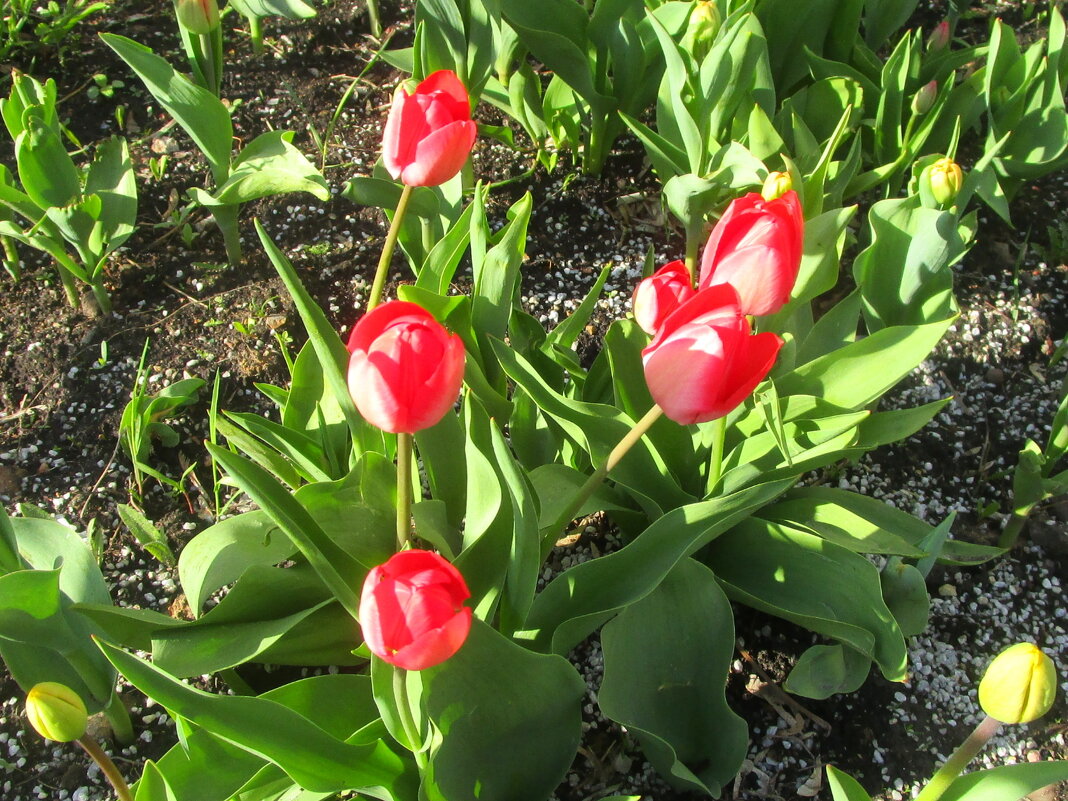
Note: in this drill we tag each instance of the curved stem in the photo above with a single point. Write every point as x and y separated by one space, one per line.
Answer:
404 489
374 18
93 749
404 709
119 718
719 434
614 458
387 249
959 760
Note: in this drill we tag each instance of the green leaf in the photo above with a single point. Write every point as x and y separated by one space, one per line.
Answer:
111 177
1006 783
509 721
150 537
804 579
824 670
556 484
576 602
310 755
844 787
339 571
666 659
290 9
854 376
198 111
46 169
905 593
270 165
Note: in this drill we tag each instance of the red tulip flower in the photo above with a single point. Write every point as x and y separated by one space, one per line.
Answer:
756 248
429 133
657 296
405 369
704 361
412 610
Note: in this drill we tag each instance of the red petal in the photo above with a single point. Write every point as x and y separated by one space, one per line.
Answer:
440 155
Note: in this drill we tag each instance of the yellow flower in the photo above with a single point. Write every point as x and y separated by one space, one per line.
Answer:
56 711
1019 686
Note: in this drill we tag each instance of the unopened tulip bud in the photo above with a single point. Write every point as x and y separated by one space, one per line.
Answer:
1019 685
944 178
197 16
939 37
56 712
702 28
924 98
776 185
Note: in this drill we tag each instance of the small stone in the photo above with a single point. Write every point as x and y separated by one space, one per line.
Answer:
947 591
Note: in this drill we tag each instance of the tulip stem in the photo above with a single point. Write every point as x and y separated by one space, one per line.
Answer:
719 434
387 249
119 718
404 489
693 244
407 721
959 760
614 458
93 749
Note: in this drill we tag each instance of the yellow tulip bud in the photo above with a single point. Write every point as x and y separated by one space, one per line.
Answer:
702 28
56 712
776 185
924 98
1019 685
944 179
197 16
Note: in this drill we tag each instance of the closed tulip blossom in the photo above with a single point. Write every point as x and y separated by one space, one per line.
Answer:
412 611
429 133
704 361
405 369
756 248
658 295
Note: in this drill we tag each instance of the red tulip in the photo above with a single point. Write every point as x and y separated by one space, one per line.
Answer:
756 248
429 133
657 296
405 370
703 361
412 610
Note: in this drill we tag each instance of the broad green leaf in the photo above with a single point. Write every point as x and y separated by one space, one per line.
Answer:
666 659
198 111
290 9
905 593
556 484
854 376
129 627
145 532
844 787
111 177
576 602
1008 782
824 670
270 165
312 756
46 169
819 585
509 721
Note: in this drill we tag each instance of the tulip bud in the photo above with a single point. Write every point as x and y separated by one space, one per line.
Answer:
702 28
924 98
776 185
944 179
197 16
1019 685
939 37
56 712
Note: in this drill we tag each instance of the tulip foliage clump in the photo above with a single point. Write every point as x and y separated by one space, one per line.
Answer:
430 459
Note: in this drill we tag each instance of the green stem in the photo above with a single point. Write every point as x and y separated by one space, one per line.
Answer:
119 718
387 249
1012 530
66 277
614 458
404 489
719 433
226 220
11 257
693 245
404 709
207 63
100 294
593 157
959 760
374 18
93 749
255 33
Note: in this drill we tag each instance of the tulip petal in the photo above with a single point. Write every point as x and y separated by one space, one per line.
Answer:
451 91
440 155
760 275
434 647
750 365
405 125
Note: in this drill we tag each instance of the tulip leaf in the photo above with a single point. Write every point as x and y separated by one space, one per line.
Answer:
666 659
905 593
316 759
111 178
823 670
338 570
332 353
579 600
861 372
807 580
46 169
1006 783
844 787
290 9
556 484
270 165
200 113
153 786
509 721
